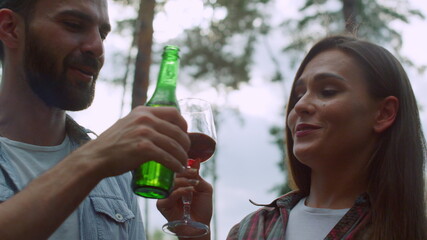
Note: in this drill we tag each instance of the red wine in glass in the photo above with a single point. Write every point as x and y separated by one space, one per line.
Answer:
202 147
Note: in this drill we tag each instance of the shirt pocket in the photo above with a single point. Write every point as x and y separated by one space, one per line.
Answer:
112 217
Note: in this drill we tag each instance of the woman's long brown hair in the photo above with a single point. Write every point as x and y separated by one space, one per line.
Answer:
396 173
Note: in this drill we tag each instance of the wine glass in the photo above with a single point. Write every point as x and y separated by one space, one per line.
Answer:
201 130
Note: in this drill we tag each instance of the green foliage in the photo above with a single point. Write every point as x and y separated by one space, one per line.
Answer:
223 51
126 26
375 21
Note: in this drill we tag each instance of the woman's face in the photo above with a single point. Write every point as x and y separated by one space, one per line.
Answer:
333 118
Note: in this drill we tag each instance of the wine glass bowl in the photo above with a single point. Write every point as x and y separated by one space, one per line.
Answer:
202 133
202 147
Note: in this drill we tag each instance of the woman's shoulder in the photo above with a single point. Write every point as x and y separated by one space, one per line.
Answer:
267 215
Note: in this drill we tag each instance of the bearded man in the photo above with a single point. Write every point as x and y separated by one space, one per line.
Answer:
55 182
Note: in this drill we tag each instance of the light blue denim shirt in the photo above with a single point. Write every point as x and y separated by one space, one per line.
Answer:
109 212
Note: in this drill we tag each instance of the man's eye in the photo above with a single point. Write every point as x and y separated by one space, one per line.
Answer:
73 25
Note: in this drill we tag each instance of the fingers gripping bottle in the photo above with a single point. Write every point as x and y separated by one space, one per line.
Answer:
152 179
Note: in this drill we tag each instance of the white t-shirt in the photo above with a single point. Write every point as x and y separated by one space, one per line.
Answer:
31 161
306 223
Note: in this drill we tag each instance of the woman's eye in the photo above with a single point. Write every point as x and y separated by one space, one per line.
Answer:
328 92
298 96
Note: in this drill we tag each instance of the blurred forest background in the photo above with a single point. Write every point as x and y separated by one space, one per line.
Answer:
222 42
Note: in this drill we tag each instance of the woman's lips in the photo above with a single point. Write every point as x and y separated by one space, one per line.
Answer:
303 129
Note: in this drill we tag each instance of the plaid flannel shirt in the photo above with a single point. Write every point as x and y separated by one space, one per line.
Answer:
269 222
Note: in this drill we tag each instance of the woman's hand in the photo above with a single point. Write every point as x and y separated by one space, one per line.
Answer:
185 183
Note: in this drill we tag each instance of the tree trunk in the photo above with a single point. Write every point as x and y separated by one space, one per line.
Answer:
350 11
144 37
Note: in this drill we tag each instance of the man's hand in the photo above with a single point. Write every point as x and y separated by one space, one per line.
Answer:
147 133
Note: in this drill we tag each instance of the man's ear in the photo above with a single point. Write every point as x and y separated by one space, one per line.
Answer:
386 115
9 21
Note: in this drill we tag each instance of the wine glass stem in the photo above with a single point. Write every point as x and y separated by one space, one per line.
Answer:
186 201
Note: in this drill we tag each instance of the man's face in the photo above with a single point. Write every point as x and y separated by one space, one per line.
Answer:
64 51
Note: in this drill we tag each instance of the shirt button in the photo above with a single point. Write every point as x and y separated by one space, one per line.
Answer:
119 216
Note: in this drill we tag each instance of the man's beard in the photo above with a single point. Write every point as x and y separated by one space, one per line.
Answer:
53 87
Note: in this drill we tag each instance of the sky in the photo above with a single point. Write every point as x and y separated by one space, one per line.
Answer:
247 160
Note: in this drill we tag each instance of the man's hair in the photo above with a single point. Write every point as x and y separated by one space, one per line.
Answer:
396 172
22 7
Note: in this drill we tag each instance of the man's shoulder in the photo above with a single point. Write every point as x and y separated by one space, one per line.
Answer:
76 132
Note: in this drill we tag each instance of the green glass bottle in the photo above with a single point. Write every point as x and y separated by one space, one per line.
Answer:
152 179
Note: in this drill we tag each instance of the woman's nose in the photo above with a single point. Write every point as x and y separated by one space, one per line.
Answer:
305 105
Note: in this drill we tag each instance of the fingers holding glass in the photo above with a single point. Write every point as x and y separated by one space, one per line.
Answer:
202 133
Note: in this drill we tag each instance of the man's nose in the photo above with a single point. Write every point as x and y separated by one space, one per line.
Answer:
93 45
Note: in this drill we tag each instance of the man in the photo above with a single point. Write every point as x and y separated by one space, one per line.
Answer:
55 182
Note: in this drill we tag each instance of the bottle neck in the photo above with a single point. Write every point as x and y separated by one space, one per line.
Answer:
164 95
168 72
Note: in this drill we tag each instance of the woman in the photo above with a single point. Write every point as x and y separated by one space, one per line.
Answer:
356 152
